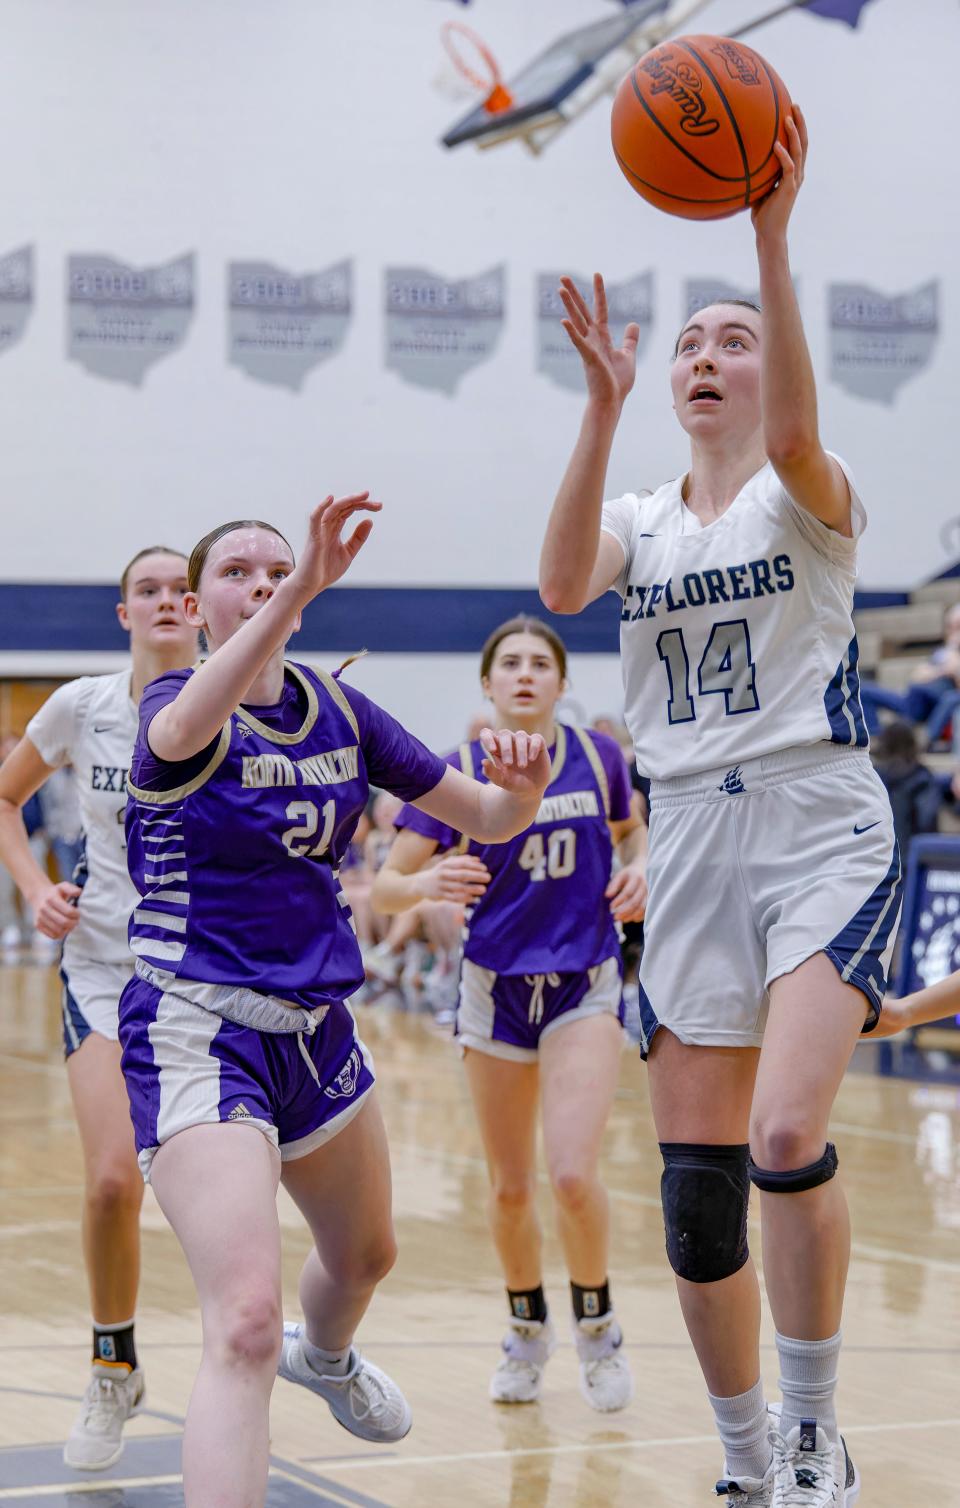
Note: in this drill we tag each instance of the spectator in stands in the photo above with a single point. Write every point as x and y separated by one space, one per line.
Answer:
933 695
916 793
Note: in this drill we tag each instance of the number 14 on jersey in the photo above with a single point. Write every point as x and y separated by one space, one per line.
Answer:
726 668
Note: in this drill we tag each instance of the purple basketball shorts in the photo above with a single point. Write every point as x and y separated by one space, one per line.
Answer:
506 1015
186 1066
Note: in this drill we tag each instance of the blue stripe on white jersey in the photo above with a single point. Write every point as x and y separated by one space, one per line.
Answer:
841 701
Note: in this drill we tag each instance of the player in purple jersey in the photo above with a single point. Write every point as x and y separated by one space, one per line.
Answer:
540 997
240 1055
90 723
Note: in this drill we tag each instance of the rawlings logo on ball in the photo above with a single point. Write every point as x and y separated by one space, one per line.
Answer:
739 64
683 84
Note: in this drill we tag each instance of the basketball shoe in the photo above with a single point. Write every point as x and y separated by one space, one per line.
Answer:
364 1400
606 1380
751 1492
810 1471
96 1440
527 1347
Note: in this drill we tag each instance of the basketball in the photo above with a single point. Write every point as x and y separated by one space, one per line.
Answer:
694 125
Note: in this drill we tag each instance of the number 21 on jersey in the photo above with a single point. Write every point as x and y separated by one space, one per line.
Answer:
298 840
726 668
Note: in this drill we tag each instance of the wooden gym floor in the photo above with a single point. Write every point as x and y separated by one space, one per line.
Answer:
437 1321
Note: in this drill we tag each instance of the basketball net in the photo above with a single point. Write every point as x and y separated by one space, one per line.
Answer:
475 63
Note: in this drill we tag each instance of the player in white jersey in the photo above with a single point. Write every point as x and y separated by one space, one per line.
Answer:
773 871
91 724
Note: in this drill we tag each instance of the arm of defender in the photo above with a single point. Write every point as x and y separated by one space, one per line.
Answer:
935 1003
195 716
627 890
23 772
517 767
408 876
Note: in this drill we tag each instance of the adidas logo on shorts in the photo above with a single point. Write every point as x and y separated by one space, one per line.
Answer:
239 1113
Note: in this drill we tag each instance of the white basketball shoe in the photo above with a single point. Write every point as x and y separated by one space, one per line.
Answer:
96 1440
606 1380
811 1472
751 1492
527 1347
364 1400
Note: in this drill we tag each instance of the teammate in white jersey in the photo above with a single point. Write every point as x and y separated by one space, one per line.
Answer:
773 871
91 724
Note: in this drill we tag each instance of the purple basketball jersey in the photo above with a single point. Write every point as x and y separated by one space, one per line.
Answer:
544 910
236 852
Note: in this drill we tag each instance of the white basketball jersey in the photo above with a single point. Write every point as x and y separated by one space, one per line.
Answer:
91 723
736 638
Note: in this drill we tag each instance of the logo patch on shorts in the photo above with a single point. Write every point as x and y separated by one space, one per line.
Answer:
344 1086
239 1113
732 783
858 830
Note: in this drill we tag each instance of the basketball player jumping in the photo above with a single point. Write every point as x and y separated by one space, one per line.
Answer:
540 997
774 874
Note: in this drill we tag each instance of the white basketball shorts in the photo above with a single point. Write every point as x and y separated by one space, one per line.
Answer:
90 998
751 871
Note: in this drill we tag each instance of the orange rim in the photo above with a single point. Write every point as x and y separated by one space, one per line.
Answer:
497 97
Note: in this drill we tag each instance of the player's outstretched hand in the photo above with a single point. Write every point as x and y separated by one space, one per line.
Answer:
326 554
55 910
516 762
627 893
610 370
461 878
770 216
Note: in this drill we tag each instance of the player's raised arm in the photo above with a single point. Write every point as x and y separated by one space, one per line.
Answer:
578 562
188 723
788 390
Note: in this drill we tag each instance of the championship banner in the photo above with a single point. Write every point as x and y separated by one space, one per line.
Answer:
282 324
122 319
16 295
629 302
878 341
699 292
438 329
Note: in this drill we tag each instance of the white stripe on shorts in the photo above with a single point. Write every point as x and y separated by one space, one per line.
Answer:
180 1035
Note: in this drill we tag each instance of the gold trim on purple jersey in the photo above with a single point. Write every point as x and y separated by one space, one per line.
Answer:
167 798
596 764
339 696
309 718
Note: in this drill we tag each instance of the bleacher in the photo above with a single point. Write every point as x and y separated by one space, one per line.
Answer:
895 640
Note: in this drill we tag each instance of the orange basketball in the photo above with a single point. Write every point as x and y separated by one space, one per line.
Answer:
694 123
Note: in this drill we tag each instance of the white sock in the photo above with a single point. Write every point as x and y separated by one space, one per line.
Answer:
326 1363
808 1381
744 1426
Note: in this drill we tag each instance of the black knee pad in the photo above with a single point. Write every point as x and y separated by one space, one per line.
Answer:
705 1191
800 1179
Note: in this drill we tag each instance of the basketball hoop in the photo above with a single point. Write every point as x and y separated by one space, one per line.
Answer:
474 61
